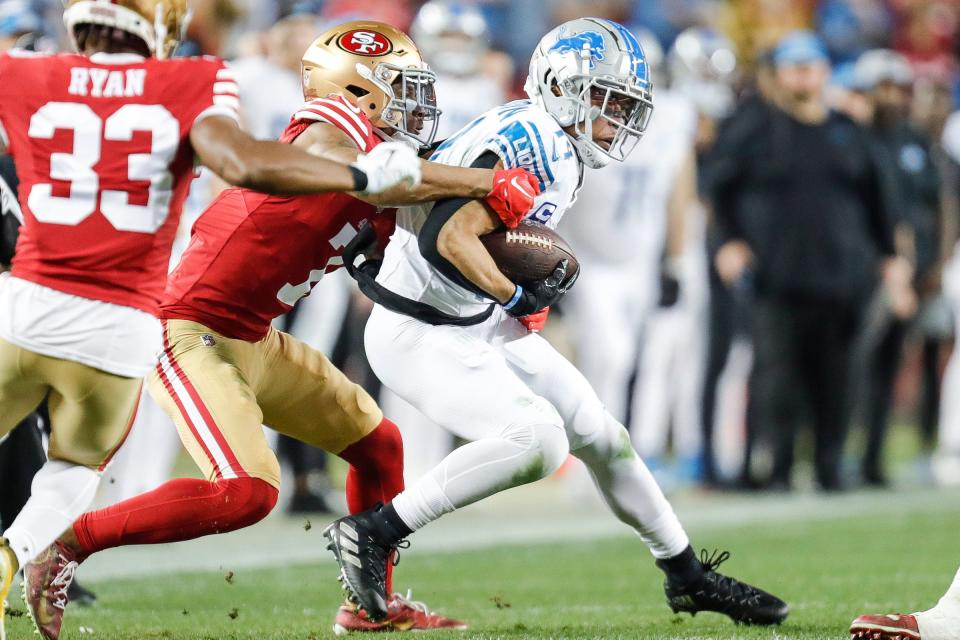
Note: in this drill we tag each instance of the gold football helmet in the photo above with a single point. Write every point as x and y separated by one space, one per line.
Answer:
378 68
160 23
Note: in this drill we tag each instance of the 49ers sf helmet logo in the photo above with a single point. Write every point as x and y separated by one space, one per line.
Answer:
365 43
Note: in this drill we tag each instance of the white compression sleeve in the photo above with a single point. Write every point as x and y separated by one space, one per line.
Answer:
631 492
480 469
60 493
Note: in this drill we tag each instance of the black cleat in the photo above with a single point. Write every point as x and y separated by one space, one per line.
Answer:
741 602
362 553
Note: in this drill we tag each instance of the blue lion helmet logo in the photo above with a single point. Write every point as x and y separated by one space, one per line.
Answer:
592 40
638 59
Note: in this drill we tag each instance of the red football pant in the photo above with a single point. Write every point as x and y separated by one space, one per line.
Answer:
181 509
376 473
185 509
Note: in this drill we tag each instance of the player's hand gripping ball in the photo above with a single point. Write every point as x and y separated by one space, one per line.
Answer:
538 261
530 253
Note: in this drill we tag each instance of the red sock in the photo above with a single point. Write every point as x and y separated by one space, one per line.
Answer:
376 472
178 510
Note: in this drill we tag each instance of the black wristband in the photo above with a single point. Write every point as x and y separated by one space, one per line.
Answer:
360 179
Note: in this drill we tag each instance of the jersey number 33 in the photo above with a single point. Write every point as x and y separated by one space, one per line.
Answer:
92 137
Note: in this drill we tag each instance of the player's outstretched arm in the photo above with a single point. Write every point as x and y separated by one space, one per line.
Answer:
283 169
510 198
442 181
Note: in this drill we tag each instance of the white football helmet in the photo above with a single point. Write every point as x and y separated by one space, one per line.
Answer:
703 66
161 24
882 65
591 68
655 54
451 35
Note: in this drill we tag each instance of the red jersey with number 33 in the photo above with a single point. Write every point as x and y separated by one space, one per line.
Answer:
101 146
252 256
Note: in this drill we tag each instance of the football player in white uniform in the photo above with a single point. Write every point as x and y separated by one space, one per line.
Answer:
455 347
453 39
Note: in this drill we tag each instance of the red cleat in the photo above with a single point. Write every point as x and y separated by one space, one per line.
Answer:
403 614
45 584
888 627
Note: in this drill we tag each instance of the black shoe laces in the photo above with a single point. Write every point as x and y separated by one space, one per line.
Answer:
395 549
712 561
379 554
725 587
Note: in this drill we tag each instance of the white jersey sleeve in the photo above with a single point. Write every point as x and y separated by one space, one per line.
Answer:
521 135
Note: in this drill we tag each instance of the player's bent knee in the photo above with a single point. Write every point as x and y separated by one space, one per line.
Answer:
387 439
591 422
601 437
554 447
256 498
381 446
545 449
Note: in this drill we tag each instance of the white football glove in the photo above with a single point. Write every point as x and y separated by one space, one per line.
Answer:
389 164
8 202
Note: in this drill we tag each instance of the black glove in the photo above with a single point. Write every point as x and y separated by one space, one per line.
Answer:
536 297
669 289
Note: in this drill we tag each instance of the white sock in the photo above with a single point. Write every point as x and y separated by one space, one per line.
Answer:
61 492
482 468
631 492
942 622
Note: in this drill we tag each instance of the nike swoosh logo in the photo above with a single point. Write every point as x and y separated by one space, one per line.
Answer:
520 188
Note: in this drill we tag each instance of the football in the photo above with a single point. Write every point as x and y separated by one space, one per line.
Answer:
530 253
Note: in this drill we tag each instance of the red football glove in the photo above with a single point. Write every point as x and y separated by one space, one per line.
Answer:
535 321
512 195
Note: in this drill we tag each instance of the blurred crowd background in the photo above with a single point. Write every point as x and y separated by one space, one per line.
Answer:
769 292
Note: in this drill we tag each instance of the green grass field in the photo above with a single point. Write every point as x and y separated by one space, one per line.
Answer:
829 570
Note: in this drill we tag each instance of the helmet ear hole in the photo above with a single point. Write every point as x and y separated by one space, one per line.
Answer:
357 91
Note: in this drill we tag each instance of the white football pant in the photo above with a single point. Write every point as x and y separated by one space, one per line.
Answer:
523 407
426 443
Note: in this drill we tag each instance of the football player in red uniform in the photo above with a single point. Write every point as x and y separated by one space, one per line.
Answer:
225 371
105 144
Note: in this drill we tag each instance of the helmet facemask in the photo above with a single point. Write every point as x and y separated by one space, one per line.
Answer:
589 71
412 107
626 109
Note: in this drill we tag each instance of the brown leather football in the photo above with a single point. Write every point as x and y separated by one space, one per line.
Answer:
530 253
